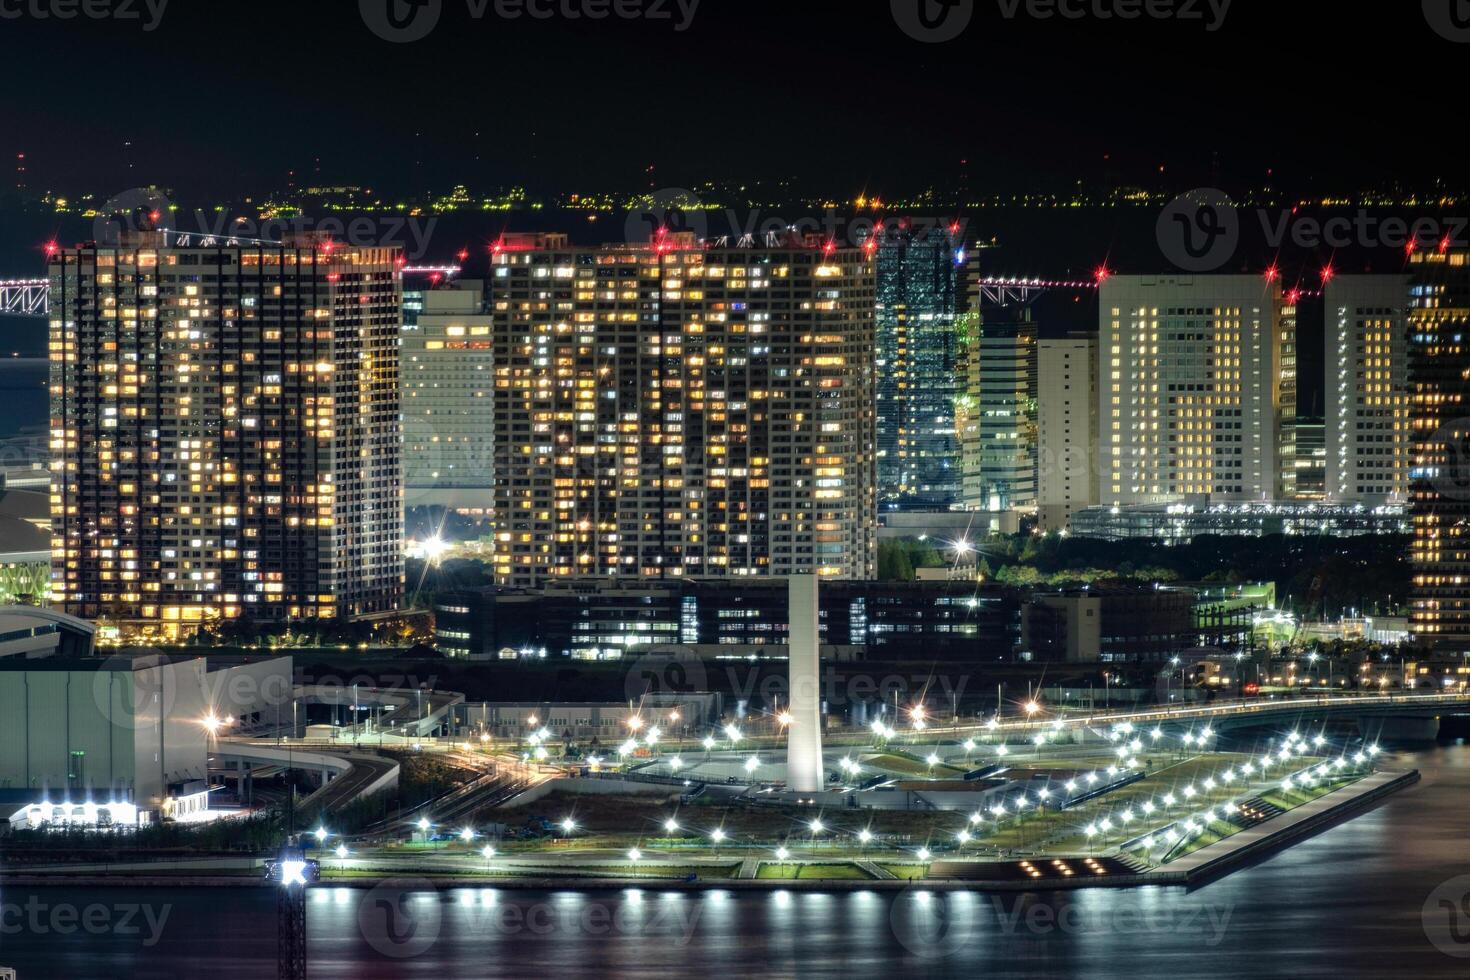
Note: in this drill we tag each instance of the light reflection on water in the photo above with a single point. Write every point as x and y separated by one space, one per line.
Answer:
1347 902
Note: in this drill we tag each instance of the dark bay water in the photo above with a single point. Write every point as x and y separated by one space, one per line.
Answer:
1350 902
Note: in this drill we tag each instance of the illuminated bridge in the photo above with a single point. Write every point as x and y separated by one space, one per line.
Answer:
1011 290
25 297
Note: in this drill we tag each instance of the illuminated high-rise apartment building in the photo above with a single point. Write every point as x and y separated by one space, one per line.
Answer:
919 368
1196 382
448 388
225 431
1367 421
676 410
1439 464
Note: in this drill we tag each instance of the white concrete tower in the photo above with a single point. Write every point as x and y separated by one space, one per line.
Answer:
804 734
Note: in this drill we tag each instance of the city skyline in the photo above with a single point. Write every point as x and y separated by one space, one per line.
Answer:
636 488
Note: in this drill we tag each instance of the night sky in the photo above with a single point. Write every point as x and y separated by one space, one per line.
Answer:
226 96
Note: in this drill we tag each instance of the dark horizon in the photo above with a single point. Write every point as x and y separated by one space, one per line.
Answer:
230 97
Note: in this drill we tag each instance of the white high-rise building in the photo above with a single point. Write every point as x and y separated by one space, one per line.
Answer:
996 416
448 390
1194 380
1367 388
1066 428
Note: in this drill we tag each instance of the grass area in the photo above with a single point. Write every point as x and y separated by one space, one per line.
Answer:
907 872
1292 798
808 872
495 870
625 821
1217 831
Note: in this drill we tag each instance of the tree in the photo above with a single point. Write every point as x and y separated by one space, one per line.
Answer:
893 562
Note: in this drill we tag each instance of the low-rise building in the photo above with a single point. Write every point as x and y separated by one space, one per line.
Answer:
122 730
1180 523
601 618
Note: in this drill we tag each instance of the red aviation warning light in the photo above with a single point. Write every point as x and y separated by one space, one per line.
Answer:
51 248
463 254
1101 274
1327 274
1444 244
1273 273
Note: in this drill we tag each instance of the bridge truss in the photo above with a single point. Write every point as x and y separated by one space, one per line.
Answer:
25 297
